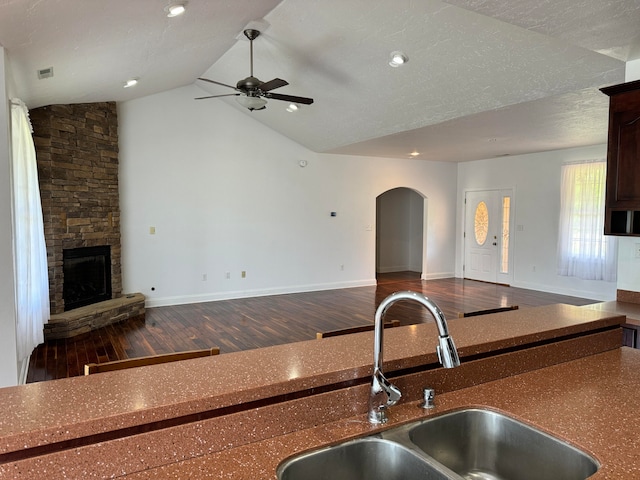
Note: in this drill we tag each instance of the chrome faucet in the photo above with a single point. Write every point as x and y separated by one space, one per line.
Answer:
383 393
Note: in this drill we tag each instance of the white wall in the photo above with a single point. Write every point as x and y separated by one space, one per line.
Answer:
226 194
417 206
632 71
535 179
628 263
9 368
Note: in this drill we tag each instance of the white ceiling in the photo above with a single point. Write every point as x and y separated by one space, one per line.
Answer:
485 77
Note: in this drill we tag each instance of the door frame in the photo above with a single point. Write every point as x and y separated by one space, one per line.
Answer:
501 278
423 273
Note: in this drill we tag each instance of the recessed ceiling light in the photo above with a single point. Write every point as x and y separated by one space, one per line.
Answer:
414 154
131 82
175 10
398 58
292 107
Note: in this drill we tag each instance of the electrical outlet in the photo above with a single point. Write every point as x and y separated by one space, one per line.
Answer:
204 277
637 250
228 275
243 274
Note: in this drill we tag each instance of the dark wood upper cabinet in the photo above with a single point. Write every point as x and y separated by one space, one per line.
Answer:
622 214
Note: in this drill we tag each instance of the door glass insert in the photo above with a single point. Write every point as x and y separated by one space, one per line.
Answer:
504 252
481 223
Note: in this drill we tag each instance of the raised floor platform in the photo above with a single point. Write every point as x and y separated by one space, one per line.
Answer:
98 315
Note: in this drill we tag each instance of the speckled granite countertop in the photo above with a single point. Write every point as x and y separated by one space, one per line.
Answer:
631 310
592 403
238 409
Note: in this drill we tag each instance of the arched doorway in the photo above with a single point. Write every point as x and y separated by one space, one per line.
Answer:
400 225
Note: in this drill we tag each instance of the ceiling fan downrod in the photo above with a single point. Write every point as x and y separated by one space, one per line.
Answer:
251 34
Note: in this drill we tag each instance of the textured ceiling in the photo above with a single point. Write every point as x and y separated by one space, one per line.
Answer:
94 46
485 77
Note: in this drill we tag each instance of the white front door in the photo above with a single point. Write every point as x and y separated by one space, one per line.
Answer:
487 242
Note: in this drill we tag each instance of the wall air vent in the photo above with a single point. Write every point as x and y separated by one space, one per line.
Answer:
45 73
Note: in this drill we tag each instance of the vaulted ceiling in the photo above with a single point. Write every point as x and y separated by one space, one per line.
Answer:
484 78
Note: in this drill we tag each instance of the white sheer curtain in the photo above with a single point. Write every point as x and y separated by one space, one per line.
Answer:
583 249
32 281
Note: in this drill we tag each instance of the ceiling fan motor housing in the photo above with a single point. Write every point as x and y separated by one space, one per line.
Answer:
249 85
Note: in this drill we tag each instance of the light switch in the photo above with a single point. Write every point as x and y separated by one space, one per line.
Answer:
152 230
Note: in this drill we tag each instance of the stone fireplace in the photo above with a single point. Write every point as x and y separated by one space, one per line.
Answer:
77 154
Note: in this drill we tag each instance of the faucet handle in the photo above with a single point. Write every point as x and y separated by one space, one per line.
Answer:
383 395
381 384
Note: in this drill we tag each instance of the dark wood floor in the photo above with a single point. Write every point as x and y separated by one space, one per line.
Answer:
249 323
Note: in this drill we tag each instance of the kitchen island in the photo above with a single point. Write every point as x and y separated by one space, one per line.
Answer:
238 415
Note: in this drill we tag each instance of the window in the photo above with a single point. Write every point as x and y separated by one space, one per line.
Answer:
481 223
504 251
583 249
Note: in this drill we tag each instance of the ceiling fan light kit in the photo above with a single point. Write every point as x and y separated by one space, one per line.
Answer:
252 103
252 93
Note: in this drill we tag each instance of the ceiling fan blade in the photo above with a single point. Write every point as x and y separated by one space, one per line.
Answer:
273 84
218 96
217 83
289 98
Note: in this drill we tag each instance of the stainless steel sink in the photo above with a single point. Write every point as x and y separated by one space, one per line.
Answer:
368 458
471 444
481 444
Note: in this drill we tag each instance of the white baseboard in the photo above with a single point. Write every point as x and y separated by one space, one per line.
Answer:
215 296
602 296
436 276
396 268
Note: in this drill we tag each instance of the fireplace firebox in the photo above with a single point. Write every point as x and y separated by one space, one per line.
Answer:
87 276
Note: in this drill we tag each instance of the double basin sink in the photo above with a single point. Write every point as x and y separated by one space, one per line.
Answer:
471 444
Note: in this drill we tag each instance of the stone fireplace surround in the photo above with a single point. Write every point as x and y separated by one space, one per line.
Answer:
77 155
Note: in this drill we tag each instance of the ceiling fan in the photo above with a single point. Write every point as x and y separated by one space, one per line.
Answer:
252 92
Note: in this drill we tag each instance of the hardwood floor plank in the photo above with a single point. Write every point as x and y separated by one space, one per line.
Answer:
249 323
36 365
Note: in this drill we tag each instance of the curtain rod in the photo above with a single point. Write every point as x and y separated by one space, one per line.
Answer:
592 160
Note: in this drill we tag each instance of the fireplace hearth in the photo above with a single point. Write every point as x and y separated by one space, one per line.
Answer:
87 276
